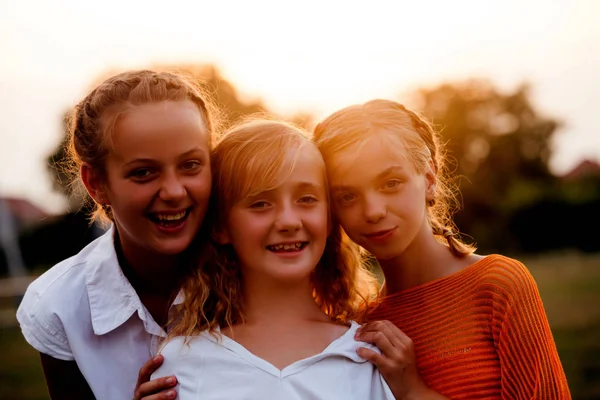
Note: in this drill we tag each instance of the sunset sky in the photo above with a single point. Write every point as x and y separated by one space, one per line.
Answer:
311 56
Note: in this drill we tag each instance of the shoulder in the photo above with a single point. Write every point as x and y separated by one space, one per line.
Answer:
506 270
183 354
57 287
509 279
65 282
47 304
60 294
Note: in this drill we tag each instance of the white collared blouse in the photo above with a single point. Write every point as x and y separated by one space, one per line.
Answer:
85 310
219 368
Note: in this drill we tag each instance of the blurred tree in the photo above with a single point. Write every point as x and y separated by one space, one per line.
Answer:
500 145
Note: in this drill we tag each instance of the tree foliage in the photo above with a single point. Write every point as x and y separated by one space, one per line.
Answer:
500 145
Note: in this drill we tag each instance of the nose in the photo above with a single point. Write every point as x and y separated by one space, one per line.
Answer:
288 219
375 209
172 188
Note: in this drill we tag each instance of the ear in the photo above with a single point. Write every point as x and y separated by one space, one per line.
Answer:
94 184
430 182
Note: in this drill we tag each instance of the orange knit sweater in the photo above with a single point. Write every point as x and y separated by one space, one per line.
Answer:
480 333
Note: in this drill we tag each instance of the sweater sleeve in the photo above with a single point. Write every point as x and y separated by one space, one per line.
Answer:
530 365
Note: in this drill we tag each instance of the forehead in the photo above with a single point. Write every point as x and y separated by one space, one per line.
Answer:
168 125
368 155
306 161
300 165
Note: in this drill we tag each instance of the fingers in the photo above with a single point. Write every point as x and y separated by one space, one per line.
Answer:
154 389
370 333
397 350
377 359
381 340
161 388
148 369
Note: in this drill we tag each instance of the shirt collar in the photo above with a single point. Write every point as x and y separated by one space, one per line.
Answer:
112 298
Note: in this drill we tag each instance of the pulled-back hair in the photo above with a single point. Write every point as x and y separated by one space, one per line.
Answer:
405 128
249 158
93 119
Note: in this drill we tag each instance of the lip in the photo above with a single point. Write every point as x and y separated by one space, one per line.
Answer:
287 242
174 229
289 254
171 212
382 235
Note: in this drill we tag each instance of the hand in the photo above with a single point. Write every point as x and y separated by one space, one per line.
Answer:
396 361
156 389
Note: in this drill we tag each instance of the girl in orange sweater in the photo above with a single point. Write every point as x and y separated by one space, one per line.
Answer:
475 324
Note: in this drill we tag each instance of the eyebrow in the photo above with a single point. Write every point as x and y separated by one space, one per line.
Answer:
301 186
150 160
310 185
386 172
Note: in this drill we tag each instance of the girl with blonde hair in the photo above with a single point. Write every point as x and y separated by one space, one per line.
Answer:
140 142
274 315
472 326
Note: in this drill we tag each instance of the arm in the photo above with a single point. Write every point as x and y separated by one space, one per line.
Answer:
530 365
64 379
396 361
155 389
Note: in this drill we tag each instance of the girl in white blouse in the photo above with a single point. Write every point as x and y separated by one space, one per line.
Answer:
273 316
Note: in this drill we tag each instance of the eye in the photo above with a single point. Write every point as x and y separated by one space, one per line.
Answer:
191 165
308 199
259 205
345 198
141 174
391 184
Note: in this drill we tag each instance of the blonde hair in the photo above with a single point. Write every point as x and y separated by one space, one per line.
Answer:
250 158
93 119
357 124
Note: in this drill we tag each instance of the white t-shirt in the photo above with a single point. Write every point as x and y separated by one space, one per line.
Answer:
212 369
84 309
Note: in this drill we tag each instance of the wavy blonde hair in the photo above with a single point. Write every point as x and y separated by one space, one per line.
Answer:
405 128
250 158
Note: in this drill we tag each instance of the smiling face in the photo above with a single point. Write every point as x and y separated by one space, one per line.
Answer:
158 177
280 234
378 196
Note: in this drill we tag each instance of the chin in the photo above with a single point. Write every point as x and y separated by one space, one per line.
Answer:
173 249
384 255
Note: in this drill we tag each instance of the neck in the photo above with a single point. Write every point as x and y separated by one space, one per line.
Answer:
274 303
156 274
424 260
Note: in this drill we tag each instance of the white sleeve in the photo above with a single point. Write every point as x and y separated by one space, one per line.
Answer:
42 328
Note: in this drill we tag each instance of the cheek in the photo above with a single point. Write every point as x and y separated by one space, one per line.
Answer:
320 218
129 195
201 187
345 216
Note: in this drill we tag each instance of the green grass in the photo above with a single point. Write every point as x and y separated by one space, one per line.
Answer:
569 285
21 376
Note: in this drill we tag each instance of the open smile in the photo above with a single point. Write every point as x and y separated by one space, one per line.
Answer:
170 219
287 247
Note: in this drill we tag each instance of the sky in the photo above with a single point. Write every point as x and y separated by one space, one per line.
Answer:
310 56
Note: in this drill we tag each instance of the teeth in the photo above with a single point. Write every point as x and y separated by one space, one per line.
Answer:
170 217
293 246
